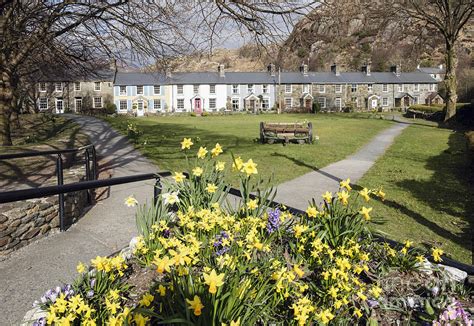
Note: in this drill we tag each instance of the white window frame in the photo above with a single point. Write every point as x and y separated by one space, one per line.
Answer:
356 101
122 88
178 106
56 87
305 88
416 87
101 102
322 102
154 89
321 88
385 88
235 89
211 100
59 100
288 88
432 87
42 87
97 89
155 106
370 88
39 103
340 102
140 87
338 88
400 87
120 105
76 88
196 88
291 102
212 89
353 88
384 101
250 88
265 88
233 101
266 99
180 89
76 99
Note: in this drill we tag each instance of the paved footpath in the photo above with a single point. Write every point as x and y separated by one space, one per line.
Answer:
298 192
106 228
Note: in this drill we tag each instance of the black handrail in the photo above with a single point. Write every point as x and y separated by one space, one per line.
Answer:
10 156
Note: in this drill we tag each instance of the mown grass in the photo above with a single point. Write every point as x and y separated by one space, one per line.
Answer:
339 137
428 179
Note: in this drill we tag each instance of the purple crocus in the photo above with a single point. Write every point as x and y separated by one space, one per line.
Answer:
40 322
273 222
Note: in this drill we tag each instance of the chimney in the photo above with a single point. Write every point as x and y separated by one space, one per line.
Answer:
366 69
396 69
304 69
168 72
440 67
335 69
113 65
221 70
418 66
271 69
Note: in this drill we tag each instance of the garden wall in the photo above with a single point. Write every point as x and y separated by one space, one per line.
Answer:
26 221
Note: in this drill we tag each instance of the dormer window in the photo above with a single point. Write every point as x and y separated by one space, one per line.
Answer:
288 88
140 90
196 89
123 90
212 89
58 87
42 87
369 87
338 88
97 86
250 88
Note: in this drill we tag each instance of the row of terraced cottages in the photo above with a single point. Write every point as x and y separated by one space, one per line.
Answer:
145 93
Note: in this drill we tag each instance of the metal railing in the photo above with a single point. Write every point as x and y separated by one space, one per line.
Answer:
90 158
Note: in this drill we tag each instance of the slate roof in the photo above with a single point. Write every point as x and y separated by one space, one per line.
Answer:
431 70
134 78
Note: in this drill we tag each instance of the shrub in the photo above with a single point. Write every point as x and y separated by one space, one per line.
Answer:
110 108
316 107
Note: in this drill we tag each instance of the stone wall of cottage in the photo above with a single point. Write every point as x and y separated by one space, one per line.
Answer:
24 222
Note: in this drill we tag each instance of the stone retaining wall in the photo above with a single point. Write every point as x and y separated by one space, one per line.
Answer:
24 222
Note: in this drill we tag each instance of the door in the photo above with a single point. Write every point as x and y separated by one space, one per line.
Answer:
374 103
252 105
197 106
406 101
140 108
78 105
59 105
308 104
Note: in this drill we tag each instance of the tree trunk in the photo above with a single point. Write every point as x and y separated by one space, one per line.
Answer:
450 81
6 97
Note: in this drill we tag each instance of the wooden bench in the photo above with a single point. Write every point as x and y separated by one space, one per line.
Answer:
298 132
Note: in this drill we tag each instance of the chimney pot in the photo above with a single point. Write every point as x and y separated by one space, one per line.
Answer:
304 69
396 69
335 69
271 69
221 70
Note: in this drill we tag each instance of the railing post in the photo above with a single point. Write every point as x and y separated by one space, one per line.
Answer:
94 163
88 173
156 190
59 172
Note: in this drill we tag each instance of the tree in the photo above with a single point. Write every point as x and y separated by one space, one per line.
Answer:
448 17
83 33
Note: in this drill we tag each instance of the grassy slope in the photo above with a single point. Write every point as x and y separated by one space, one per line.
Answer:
338 137
427 176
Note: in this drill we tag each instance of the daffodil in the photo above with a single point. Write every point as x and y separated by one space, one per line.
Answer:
408 243
197 171
420 259
381 194
365 212
195 305
298 271
325 316
252 204
437 253
216 150
250 167
162 290
211 188
346 184
327 197
186 143
220 166
375 291
343 196
312 211
130 201
237 164
163 264
81 268
179 177
146 300
202 152
213 280
140 320
365 194
171 198
357 313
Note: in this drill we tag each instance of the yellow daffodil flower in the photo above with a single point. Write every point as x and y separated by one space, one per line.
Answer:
81 268
381 194
195 305
202 152
197 171
162 290
186 143
357 313
250 167
327 197
298 271
343 196
312 211
365 212
237 164
216 150
252 204
130 201
140 320
346 184
163 264
375 291
146 300
213 280
220 166
325 316
420 259
114 294
211 188
408 243
365 194
179 177
437 253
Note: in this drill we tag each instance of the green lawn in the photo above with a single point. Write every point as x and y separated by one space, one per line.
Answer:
427 176
339 136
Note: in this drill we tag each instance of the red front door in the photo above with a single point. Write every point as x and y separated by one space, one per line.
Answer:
197 105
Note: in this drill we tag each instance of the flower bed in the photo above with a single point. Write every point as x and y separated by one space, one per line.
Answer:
203 259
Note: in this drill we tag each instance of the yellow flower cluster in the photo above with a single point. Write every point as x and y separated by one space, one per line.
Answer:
114 265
